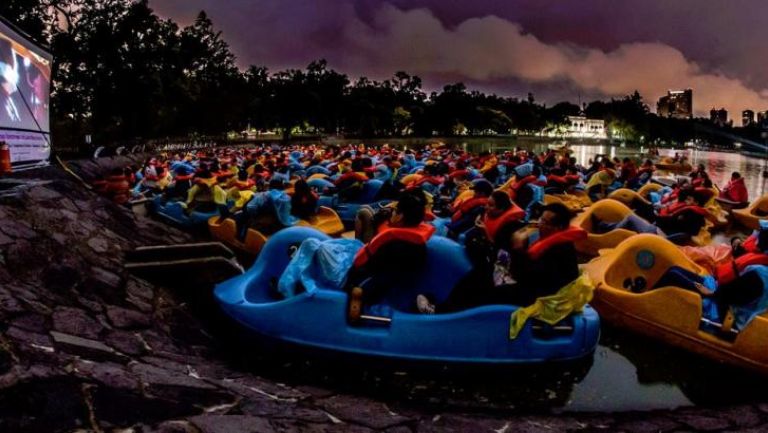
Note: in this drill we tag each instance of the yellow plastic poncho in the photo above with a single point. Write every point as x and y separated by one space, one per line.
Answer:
552 309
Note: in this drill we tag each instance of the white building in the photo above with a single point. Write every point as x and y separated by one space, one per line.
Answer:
581 127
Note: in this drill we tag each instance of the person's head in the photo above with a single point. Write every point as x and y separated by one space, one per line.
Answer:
277 183
482 188
499 201
301 187
410 209
735 175
686 196
555 217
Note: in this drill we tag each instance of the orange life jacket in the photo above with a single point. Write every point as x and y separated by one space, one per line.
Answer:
467 206
728 272
571 234
519 184
492 225
418 235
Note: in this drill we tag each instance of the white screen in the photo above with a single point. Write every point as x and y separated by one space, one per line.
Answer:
25 77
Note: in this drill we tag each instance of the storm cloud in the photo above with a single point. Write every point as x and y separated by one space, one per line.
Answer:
375 39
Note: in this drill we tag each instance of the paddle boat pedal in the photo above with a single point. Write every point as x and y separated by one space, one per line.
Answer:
724 331
208 262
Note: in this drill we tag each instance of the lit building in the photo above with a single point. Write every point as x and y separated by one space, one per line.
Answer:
677 104
747 118
719 117
762 119
581 127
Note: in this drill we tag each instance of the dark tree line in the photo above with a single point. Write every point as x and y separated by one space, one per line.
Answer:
121 72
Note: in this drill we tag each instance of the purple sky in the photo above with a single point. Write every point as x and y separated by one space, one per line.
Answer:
559 50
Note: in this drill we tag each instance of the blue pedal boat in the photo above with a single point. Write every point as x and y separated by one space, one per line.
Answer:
317 317
347 210
175 213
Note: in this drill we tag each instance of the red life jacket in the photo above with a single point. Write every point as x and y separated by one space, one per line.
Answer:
459 173
680 207
519 184
431 179
353 176
556 181
492 226
728 272
418 235
467 206
571 234
750 245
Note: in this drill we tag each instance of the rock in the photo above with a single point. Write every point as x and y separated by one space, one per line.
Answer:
648 425
8 303
108 374
231 423
43 406
359 411
741 416
31 322
173 427
77 322
30 338
84 347
57 277
139 289
125 408
126 342
17 230
41 193
99 245
169 385
702 422
125 318
6 361
5 240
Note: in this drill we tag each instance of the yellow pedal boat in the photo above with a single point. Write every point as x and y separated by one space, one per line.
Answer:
225 230
606 211
669 314
750 216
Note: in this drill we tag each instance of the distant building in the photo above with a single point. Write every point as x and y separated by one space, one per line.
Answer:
677 104
581 127
762 119
719 117
747 118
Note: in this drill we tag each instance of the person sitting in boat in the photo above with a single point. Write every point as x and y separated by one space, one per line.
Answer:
464 214
206 195
350 183
627 172
684 216
303 200
397 250
542 262
268 211
735 190
502 217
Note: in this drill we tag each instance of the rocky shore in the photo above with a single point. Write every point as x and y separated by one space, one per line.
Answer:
85 346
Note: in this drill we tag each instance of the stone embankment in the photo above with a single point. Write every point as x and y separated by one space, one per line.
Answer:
85 346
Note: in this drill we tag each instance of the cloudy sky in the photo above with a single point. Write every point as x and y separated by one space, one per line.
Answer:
557 49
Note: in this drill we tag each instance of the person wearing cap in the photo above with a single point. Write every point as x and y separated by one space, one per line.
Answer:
397 250
465 214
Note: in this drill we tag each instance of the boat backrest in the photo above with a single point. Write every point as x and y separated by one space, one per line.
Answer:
447 263
370 191
646 256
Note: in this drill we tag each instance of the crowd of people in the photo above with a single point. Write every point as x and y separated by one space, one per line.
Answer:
489 202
